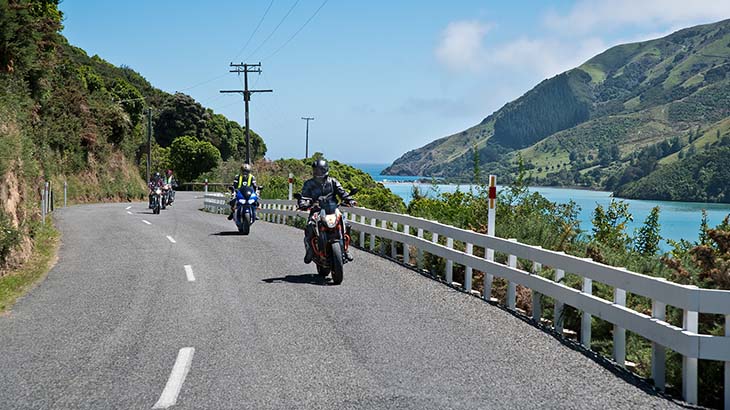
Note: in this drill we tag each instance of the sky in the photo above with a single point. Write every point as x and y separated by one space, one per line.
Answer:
380 77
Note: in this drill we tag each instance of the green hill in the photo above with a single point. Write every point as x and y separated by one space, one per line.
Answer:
66 116
633 107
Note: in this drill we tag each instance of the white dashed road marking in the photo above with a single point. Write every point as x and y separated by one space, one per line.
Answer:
129 212
147 222
169 238
129 207
177 378
189 273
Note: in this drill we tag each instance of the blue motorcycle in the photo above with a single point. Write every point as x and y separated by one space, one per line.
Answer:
246 202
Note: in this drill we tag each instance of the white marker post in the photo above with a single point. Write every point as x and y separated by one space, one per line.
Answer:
291 186
205 186
65 194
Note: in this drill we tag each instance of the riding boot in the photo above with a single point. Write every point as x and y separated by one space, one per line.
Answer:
230 216
309 253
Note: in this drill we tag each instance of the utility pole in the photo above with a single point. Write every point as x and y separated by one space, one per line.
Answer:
149 142
306 144
245 69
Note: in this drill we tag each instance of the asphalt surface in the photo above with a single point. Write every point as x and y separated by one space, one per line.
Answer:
104 329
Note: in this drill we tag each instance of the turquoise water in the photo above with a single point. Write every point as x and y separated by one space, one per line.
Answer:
679 220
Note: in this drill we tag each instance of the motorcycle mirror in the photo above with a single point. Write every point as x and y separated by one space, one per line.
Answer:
298 196
353 191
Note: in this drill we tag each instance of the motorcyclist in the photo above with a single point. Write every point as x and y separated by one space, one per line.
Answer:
321 184
244 178
156 181
172 182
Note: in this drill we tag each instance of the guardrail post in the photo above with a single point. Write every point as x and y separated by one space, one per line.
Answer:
690 322
205 186
362 233
291 186
65 194
619 333
450 266
511 286
43 205
435 239
372 235
278 215
536 306
468 271
585 317
559 306
727 366
383 225
406 247
393 246
419 256
658 352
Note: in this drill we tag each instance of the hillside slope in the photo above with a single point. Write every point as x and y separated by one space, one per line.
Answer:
591 124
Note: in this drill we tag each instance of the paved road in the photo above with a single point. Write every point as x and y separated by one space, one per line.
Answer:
107 327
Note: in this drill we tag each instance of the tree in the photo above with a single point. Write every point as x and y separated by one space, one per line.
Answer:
647 238
180 115
191 157
609 225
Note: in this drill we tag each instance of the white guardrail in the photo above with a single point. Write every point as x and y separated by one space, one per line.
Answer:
692 300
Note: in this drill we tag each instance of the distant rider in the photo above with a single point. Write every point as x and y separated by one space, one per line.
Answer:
244 178
172 182
156 181
321 184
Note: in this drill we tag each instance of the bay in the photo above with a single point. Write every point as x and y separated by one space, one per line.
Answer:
678 220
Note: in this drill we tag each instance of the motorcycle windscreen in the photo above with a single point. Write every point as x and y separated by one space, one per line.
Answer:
246 192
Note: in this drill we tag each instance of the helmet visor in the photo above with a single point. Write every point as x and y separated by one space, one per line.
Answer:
319 172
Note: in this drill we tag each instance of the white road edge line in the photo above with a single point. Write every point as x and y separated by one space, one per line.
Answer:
147 222
129 212
189 273
169 238
129 207
177 378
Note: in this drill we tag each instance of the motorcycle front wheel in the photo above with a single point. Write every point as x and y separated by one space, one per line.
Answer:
337 268
246 223
322 271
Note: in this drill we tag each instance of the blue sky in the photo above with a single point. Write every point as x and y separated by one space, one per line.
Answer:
380 77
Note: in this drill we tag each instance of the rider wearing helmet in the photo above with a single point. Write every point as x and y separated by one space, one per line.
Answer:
172 181
321 184
244 178
155 182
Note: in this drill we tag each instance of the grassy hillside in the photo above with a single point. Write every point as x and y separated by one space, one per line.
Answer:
634 106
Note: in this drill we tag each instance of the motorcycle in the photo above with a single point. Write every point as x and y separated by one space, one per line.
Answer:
157 199
166 195
246 203
332 238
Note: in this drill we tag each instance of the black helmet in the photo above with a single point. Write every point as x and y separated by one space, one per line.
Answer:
246 169
157 175
320 169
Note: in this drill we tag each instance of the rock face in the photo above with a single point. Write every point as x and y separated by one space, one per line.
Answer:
589 125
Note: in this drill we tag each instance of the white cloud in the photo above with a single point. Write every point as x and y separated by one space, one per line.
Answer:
603 16
545 56
461 45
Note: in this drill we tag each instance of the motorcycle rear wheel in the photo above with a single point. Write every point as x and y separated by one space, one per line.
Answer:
337 264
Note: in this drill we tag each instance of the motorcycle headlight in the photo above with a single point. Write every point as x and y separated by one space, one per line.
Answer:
331 221
251 201
159 191
242 201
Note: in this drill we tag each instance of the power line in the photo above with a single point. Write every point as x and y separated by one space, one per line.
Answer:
203 82
297 32
255 30
274 31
